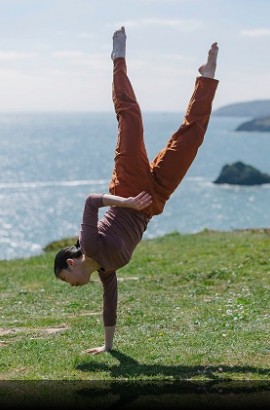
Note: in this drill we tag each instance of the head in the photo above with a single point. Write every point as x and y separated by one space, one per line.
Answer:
70 266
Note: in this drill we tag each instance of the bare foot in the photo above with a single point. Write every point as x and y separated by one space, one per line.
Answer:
209 69
119 44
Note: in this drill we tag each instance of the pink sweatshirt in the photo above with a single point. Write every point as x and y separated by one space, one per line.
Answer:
110 241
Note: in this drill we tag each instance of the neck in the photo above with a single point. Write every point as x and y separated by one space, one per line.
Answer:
91 264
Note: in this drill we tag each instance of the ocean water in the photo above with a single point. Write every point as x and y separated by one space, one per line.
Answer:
50 162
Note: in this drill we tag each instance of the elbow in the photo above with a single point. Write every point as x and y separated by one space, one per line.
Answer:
94 201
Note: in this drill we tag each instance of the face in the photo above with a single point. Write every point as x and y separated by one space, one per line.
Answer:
78 274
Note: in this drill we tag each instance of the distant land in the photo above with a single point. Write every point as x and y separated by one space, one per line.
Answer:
258 124
252 109
257 110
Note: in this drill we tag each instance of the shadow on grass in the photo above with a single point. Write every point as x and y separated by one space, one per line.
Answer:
123 394
130 368
146 389
132 385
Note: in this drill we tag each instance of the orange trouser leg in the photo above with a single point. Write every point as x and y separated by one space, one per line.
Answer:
171 164
131 173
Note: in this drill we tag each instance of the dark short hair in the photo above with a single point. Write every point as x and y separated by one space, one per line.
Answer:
60 260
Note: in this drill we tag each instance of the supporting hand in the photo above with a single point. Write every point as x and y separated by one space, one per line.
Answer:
97 350
108 342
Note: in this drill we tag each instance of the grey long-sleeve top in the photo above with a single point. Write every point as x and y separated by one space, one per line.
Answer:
110 241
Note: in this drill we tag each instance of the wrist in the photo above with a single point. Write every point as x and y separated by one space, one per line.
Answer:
124 202
120 202
109 336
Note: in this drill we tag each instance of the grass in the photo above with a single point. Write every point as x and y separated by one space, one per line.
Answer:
191 307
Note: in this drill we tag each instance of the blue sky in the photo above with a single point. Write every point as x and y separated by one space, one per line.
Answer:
55 54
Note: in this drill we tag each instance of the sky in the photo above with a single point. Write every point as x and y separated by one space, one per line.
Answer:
55 54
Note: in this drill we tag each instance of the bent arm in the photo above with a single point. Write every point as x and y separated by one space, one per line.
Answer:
89 236
139 202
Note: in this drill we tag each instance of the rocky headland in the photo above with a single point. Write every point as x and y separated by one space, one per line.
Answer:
239 173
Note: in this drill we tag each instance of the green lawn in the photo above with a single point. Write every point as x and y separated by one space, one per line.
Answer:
191 307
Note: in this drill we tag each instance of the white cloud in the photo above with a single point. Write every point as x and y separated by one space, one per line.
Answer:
79 59
15 55
259 32
52 90
85 35
68 54
83 63
182 24
9 74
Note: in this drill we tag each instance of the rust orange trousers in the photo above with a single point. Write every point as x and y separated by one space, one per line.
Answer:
133 172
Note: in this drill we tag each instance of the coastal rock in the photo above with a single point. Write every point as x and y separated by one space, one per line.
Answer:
241 174
257 124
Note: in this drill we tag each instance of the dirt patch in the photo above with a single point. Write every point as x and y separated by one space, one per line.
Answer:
3 343
74 315
53 330
48 330
128 278
35 333
12 331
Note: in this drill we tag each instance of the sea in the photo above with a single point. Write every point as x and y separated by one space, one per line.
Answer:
50 162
